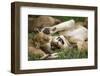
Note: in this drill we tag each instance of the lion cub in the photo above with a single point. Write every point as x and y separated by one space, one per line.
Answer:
40 45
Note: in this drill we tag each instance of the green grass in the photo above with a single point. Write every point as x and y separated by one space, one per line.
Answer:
64 54
66 18
72 54
34 56
31 35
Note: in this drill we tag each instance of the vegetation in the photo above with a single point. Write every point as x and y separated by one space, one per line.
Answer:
34 56
66 18
72 54
65 54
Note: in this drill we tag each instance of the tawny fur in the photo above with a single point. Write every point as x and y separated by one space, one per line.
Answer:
34 45
73 32
42 21
77 36
40 45
64 26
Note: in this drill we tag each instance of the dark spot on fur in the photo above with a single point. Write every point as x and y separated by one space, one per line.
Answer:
54 46
74 45
54 29
61 40
46 31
